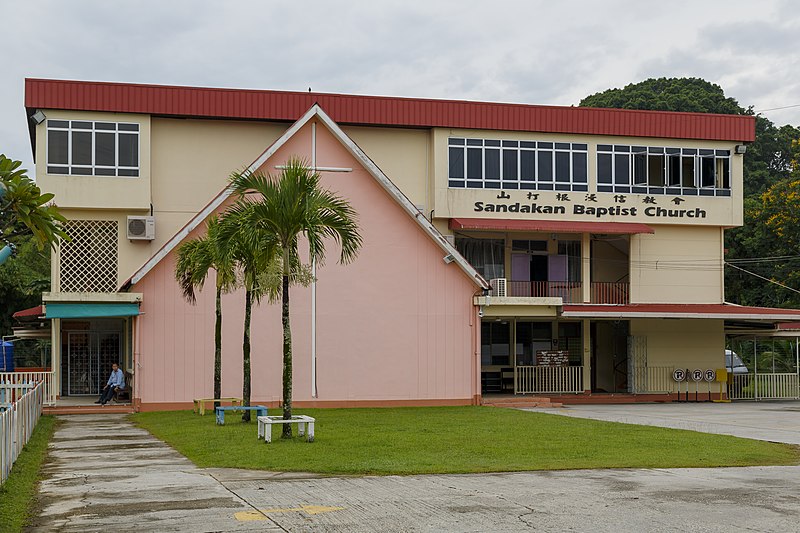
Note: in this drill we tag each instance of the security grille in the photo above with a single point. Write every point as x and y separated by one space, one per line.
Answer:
89 261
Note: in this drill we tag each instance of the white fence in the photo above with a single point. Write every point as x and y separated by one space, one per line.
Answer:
17 421
18 380
779 386
548 379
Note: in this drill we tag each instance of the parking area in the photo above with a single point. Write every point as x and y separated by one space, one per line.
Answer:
775 421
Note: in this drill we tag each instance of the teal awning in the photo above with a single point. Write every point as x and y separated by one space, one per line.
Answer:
73 310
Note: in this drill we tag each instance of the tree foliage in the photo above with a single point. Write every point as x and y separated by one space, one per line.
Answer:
24 209
771 225
693 95
22 280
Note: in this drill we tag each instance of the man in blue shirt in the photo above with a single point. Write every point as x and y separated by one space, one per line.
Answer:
116 381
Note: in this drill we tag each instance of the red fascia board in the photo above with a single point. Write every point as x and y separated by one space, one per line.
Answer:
379 110
558 226
670 310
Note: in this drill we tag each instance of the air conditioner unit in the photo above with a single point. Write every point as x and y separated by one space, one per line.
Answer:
141 228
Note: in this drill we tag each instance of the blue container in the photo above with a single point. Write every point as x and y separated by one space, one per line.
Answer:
7 357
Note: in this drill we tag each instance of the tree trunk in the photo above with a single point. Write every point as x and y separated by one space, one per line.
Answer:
287 351
248 305
218 348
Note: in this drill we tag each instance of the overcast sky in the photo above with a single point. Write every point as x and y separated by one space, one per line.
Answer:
539 52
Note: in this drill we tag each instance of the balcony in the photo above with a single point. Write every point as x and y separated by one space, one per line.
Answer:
601 292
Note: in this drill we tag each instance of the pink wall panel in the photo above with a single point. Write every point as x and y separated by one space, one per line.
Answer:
397 324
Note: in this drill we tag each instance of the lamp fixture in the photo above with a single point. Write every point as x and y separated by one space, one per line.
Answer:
740 149
38 117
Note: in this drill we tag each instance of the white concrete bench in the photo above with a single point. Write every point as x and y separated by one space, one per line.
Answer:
265 426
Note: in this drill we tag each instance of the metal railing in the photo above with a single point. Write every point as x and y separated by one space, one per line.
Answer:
610 292
17 422
548 379
568 291
779 386
602 292
10 381
653 379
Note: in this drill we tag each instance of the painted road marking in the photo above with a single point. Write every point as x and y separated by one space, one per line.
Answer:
248 516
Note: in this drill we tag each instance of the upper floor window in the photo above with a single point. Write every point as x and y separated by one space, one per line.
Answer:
92 148
659 170
494 164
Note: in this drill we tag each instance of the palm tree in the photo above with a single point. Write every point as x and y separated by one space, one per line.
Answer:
253 258
195 258
281 209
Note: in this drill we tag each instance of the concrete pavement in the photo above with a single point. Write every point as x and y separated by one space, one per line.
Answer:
104 474
770 421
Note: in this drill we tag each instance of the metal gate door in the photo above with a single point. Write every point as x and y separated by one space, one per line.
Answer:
90 355
637 365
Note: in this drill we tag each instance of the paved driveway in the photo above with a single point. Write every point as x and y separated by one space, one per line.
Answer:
103 474
770 421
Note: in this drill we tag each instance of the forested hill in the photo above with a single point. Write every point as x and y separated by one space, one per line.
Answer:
769 242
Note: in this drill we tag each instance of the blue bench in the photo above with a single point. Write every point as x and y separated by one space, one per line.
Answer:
259 409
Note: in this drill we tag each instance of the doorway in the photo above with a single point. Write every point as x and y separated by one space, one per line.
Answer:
609 359
89 354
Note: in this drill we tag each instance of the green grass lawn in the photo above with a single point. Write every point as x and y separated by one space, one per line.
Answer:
16 494
418 440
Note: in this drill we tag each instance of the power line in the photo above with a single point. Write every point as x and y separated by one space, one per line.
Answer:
777 108
766 279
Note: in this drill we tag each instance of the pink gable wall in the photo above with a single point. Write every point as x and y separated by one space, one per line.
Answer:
397 325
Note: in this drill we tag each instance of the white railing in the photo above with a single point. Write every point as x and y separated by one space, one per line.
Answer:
781 386
653 379
17 421
10 381
548 379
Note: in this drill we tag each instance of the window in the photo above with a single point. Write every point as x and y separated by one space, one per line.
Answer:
658 170
87 148
495 164
485 255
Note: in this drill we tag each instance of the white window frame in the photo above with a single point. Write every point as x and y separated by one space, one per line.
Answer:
94 131
536 184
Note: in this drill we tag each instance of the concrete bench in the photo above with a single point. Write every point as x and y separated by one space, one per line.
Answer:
200 403
259 409
265 426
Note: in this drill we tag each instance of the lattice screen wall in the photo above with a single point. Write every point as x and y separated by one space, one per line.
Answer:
89 261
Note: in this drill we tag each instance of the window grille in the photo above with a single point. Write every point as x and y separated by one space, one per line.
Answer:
88 262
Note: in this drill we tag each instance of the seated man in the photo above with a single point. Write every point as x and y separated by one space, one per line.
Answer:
116 381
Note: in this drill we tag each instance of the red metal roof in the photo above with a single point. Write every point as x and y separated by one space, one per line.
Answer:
622 228
719 311
378 110
32 312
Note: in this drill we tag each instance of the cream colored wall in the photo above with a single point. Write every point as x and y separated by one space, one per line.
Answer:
189 162
687 343
677 264
720 211
96 192
609 263
402 154
192 159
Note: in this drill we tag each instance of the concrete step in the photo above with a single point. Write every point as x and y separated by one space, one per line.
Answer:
88 409
526 405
